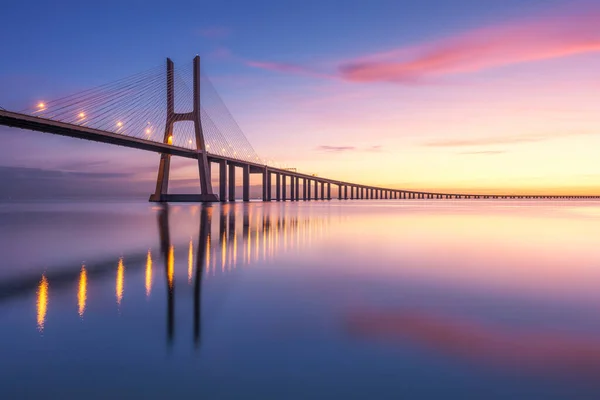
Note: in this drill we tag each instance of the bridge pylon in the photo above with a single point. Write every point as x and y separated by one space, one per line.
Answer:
161 194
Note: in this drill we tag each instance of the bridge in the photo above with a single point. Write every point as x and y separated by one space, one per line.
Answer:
143 112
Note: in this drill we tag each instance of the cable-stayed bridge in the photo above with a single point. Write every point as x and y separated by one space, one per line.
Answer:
179 113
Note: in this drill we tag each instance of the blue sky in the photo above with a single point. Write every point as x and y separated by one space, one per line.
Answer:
268 60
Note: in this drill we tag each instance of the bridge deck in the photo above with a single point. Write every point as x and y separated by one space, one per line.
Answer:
25 121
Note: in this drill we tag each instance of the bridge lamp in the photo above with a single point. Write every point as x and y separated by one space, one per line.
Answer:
81 115
190 141
41 105
119 124
170 139
148 131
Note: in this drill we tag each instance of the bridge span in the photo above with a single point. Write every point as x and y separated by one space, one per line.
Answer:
116 114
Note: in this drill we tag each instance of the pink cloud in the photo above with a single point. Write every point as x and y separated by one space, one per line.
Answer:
286 68
518 42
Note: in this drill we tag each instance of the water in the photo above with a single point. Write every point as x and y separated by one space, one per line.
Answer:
384 299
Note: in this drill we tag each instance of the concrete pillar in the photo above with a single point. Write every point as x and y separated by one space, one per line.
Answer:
246 182
269 186
297 188
308 189
339 192
304 188
283 187
222 181
265 183
345 192
323 191
278 186
231 182
328 190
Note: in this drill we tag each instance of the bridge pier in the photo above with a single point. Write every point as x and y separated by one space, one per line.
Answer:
231 182
304 189
328 190
222 181
162 181
278 186
265 180
246 183
269 186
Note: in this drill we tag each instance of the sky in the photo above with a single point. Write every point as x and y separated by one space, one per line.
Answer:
487 96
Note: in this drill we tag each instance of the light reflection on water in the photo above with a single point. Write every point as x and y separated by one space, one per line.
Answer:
495 300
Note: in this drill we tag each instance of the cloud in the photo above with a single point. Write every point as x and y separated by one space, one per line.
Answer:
343 149
504 44
214 32
336 149
287 68
515 139
483 152
36 183
8 172
549 36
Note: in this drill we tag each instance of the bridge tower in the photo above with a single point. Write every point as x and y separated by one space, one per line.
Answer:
162 181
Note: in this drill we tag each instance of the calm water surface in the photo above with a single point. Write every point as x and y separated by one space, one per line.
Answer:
346 300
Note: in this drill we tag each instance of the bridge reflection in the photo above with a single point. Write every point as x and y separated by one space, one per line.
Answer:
246 235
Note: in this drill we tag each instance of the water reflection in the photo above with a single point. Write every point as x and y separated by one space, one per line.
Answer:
244 237
82 292
148 273
42 303
120 280
517 349
190 260
411 297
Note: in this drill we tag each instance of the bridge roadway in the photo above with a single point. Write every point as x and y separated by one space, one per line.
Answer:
288 184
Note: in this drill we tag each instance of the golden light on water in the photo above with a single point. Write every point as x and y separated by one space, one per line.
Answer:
190 260
148 274
120 281
207 253
171 266
234 250
82 292
42 303
223 251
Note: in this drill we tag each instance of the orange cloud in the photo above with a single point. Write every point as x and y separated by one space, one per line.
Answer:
505 44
